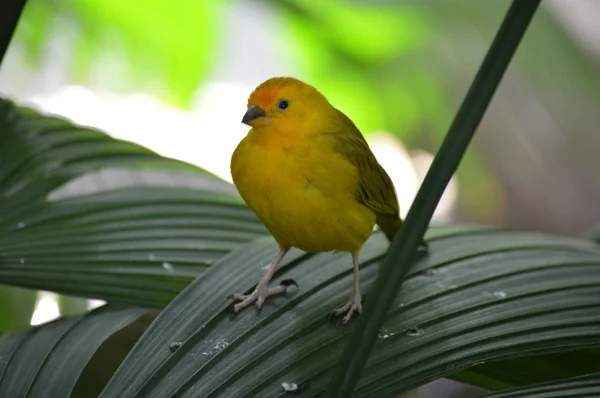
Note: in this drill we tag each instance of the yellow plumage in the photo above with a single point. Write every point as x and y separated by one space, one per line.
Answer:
296 195
308 174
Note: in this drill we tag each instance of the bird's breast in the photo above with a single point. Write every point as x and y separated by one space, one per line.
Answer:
270 180
304 196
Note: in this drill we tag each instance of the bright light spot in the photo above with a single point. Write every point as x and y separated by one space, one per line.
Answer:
93 303
168 266
46 308
205 138
392 156
221 107
422 161
407 173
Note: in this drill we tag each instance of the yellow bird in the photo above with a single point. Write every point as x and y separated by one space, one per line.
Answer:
309 175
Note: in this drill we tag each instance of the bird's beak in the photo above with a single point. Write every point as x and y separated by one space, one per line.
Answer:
254 112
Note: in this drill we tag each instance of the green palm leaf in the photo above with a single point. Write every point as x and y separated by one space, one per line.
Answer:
47 360
83 214
481 295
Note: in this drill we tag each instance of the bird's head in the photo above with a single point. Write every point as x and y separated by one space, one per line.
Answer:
286 105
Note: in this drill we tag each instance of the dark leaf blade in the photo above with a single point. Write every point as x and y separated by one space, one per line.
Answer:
83 214
9 343
90 248
47 360
83 340
30 357
580 387
478 296
535 370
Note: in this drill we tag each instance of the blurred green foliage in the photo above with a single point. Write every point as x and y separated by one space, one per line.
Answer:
397 66
348 51
168 47
16 307
71 306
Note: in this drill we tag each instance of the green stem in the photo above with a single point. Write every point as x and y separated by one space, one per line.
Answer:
403 252
10 12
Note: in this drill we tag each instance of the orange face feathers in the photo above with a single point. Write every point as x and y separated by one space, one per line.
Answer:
269 92
286 105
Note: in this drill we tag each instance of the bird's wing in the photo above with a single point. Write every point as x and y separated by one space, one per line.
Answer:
375 189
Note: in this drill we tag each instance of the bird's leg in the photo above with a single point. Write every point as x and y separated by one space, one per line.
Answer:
262 291
353 305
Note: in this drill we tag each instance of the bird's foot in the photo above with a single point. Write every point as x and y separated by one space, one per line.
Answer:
353 306
260 294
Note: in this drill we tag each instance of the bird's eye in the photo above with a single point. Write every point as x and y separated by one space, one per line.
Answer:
283 104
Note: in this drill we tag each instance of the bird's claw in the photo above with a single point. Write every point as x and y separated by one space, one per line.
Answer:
260 294
353 306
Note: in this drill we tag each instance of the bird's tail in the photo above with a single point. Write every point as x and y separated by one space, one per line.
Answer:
390 225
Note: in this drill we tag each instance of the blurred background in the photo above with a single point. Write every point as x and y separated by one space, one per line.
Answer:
175 77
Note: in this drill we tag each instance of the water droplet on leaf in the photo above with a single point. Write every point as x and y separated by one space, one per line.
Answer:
497 294
220 346
384 334
414 332
293 387
174 346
